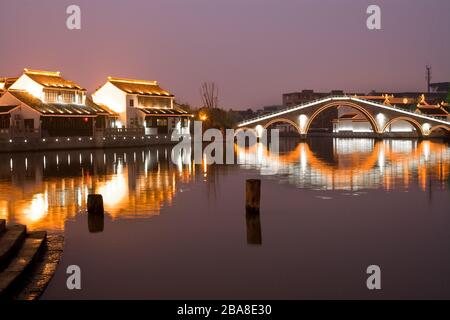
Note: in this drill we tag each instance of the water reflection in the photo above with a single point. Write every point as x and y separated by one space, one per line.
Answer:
43 190
254 234
353 164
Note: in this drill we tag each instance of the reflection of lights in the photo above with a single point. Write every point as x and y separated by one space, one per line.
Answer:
426 150
303 158
205 164
114 190
38 207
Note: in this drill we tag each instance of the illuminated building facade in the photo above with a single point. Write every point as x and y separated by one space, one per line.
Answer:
143 104
44 104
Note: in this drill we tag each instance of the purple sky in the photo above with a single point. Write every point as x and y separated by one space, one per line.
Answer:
253 49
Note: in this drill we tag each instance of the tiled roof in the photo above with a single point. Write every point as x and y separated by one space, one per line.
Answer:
60 109
432 111
141 87
348 116
7 82
6 109
51 80
165 112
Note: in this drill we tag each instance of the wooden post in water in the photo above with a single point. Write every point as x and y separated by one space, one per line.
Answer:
96 222
253 195
254 236
252 200
95 204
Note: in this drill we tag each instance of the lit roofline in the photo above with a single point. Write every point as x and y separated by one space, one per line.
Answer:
42 72
150 82
343 98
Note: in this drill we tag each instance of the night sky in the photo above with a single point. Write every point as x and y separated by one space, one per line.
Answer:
253 49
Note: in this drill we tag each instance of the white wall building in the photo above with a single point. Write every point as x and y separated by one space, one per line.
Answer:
45 103
143 104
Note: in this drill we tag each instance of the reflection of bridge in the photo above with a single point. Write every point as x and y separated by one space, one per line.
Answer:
380 116
360 164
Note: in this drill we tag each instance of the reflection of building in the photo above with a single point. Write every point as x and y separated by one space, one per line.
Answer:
143 104
45 104
44 190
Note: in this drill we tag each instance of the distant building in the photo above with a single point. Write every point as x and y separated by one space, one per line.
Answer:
46 104
245 114
143 104
440 87
296 98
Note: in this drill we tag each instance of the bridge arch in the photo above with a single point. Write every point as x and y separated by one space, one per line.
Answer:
283 120
366 113
243 129
411 121
440 127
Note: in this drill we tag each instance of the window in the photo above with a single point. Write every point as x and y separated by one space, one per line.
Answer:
154 102
28 123
131 103
4 122
54 96
162 122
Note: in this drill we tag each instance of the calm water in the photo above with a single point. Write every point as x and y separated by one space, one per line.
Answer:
330 208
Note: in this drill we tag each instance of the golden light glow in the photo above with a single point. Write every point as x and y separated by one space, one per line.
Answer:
42 72
203 117
125 80
38 207
49 203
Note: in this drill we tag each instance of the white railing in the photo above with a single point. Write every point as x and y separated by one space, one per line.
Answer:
334 97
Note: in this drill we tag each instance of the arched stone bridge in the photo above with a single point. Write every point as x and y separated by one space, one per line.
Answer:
379 116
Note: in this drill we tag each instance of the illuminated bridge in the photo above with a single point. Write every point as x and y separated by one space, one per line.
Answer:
370 118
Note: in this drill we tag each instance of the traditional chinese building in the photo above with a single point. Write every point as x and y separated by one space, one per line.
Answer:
351 120
143 104
5 83
45 104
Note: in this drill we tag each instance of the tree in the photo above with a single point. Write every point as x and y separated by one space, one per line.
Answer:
210 95
447 99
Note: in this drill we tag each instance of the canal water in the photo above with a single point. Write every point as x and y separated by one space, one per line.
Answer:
330 208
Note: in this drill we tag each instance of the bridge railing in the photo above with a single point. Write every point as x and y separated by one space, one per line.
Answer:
294 107
331 97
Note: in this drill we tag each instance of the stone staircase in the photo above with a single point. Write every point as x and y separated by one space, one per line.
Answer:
19 252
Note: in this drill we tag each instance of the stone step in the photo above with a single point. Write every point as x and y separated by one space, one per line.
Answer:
10 242
2 226
21 263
